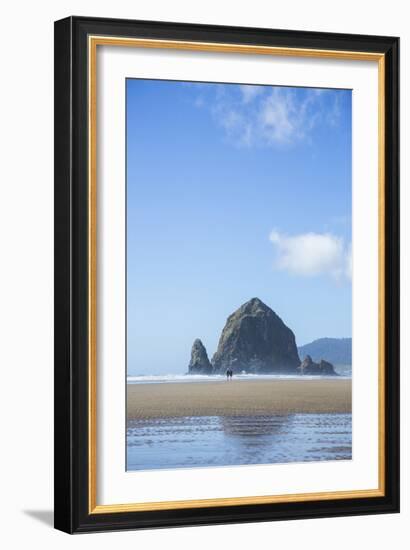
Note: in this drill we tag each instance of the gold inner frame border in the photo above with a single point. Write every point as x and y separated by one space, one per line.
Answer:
93 43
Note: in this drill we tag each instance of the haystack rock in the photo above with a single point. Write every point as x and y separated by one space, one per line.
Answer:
256 340
199 363
324 368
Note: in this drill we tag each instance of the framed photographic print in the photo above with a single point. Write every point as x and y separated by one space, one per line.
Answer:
226 274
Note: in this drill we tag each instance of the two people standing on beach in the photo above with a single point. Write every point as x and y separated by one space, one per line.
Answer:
229 374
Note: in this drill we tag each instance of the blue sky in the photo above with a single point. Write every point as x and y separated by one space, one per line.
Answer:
234 192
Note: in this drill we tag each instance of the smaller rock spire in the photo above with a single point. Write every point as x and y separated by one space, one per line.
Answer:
199 363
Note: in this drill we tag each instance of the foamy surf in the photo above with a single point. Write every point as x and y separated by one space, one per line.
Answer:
189 378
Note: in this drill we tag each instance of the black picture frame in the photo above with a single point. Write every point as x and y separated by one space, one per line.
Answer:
71 419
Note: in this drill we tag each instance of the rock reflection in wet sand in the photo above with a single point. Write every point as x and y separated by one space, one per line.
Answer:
188 442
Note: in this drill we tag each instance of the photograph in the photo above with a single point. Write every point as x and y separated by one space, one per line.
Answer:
238 274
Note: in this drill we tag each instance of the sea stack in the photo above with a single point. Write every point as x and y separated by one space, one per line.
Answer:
323 368
256 340
199 363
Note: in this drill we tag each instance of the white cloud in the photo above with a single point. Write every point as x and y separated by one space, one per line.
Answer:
312 254
283 119
334 113
249 92
348 272
271 116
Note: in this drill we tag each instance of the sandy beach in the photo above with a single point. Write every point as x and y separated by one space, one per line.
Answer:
239 397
